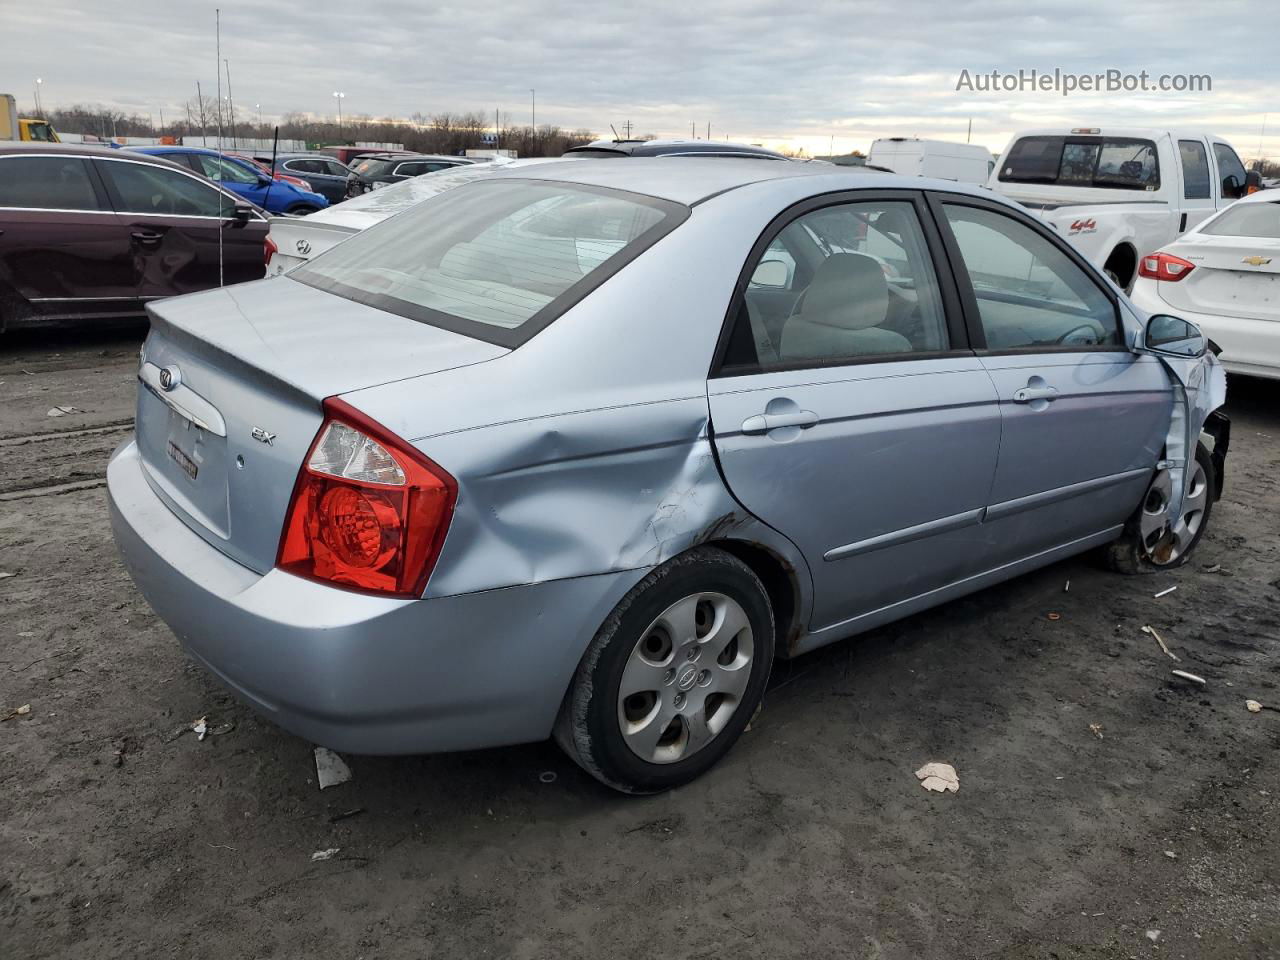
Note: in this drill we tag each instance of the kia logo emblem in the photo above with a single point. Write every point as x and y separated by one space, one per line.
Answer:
170 377
303 247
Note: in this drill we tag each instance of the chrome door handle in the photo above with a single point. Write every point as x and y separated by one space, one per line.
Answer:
765 422
1027 394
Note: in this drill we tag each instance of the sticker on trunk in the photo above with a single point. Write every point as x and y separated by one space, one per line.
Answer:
181 459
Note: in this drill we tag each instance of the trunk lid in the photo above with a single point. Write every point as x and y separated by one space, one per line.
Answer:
1233 277
229 394
298 239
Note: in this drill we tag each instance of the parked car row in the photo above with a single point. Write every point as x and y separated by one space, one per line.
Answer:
90 232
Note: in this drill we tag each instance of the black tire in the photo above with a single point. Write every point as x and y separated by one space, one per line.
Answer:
588 726
300 210
1127 554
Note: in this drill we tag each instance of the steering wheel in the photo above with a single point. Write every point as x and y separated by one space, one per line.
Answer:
1087 328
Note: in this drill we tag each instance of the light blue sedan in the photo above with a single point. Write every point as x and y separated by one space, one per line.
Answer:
579 449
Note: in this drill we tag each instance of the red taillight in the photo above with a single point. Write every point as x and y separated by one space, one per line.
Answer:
269 250
369 512
1164 266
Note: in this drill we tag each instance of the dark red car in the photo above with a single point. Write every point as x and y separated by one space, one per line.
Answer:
93 232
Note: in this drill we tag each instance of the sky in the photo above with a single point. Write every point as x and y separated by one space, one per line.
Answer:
808 74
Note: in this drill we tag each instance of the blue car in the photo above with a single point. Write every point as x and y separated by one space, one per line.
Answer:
242 177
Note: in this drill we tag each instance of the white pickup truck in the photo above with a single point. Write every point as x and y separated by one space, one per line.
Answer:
1120 193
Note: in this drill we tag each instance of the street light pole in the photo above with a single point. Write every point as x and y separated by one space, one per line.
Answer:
258 107
339 96
39 107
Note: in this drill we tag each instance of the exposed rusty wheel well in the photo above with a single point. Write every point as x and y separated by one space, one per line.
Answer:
779 580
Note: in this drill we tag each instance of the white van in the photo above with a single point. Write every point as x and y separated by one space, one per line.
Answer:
962 162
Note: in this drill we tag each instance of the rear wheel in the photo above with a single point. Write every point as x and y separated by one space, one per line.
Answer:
300 210
1149 543
673 676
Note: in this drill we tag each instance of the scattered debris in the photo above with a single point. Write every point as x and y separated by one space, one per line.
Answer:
939 777
1165 592
61 411
1183 675
200 728
22 711
1067 588
5 574
547 776
346 814
324 854
1253 706
1214 569
1096 730
1163 646
331 770
1153 935
1054 616
1171 855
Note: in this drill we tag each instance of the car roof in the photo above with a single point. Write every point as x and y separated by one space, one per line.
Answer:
690 180
659 148
413 156
82 150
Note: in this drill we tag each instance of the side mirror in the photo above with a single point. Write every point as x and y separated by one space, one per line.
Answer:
240 214
1252 182
770 273
1174 337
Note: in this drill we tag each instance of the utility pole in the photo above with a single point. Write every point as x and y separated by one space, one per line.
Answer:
339 96
693 130
231 103
708 129
627 126
204 140
533 119
969 135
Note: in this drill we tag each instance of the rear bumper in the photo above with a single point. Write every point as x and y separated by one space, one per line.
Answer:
1249 346
359 673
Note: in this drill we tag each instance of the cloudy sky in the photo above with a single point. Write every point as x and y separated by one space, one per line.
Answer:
810 74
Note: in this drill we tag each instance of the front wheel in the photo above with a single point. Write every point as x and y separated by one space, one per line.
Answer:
300 210
673 675
1148 542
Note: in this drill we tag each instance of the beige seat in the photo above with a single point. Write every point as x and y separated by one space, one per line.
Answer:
841 313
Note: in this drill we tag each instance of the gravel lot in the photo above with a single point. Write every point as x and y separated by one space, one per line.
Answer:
119 838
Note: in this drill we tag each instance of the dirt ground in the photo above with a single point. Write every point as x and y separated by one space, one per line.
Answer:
119 838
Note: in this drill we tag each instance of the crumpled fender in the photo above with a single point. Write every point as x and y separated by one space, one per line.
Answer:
1199 388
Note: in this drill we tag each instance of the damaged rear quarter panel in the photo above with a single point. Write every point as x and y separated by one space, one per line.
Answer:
578 494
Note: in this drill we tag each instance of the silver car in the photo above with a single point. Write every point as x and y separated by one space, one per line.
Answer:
580 449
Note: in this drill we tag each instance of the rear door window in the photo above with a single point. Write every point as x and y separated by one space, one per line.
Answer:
149 189
498 260
46 183
305 166
1195 170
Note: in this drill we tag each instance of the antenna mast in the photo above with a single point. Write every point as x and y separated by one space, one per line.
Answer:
217 20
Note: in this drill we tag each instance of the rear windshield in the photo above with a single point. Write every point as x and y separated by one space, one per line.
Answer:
373 168
497 260
1115 162
1247 220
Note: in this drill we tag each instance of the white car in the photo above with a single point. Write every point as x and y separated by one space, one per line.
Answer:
294 240
1224 276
